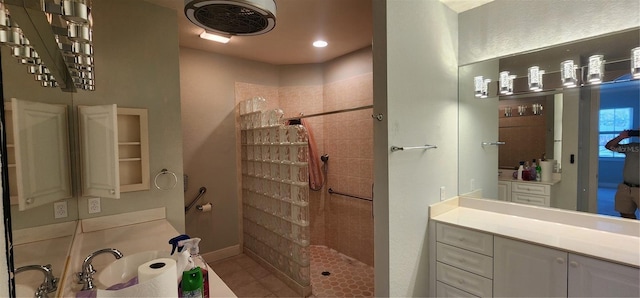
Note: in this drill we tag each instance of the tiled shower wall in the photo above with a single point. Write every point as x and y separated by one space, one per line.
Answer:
341 223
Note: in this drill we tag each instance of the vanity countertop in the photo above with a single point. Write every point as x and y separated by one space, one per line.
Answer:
129 239
612 239
509 178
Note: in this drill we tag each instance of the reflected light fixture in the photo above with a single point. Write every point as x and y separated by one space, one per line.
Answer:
568 73
504 82
635 63
481 86
535 78
596 69
320 43
510 90
215 37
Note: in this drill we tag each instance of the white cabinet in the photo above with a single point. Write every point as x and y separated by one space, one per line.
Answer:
99 151
527 270
531 193
114 150
504 191
37 153
590 277
464 265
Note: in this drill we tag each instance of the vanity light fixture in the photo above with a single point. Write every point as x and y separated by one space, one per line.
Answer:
635 63
504 82
477 83
510 88
70 31
568 73
215 37
535 78
596 69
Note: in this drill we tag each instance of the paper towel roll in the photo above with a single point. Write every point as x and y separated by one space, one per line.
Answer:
546 170
156 278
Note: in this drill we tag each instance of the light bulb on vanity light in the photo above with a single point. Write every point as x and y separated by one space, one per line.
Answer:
568 73
535 78
215 37
504 82
635 63
596 69
477 84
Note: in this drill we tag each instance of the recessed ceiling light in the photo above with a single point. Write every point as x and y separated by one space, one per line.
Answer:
215 37
320 43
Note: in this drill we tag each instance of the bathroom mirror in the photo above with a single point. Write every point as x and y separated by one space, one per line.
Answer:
565 129
31 227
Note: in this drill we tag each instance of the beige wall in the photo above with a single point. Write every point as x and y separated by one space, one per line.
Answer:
208 84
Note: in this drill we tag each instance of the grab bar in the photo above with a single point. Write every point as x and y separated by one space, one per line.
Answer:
331 191
493 143
396 148
200 194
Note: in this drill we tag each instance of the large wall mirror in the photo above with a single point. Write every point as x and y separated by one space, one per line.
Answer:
504 122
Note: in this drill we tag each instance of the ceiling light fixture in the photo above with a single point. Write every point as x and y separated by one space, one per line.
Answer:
320 43
568 73
215 37
596 69
535 78
635 63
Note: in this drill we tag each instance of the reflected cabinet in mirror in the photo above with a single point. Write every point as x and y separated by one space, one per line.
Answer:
551 111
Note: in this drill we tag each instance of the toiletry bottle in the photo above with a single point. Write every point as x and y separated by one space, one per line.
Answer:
191 246
520 170
539 172
534 173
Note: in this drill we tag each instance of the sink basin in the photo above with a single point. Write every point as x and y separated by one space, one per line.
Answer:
24 291
126 268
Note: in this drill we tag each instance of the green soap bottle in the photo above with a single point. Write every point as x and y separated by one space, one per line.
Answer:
192 284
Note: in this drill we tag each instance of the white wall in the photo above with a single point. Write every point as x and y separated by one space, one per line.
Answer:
421 45
505 27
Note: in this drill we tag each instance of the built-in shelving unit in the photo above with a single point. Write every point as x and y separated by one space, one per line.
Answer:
133 149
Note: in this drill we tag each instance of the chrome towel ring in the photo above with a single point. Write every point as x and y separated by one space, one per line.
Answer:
165 172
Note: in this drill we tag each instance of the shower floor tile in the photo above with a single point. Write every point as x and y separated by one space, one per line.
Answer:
347 277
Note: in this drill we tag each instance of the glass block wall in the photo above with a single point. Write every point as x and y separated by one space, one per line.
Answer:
275 191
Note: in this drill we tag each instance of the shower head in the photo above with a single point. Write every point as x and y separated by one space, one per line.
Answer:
324 158
232 17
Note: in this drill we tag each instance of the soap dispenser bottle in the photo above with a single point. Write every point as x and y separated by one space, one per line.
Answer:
520 170
195 278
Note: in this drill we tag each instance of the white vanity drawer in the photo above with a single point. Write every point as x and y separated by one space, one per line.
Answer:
445 290
531 188
463 280
464 238
464 259
530 199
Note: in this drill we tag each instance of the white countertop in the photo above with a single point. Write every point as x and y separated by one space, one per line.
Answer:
129 239
608 238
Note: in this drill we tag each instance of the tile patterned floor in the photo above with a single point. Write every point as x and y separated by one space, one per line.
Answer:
347 278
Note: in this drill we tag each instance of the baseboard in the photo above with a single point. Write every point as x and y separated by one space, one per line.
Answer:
222 253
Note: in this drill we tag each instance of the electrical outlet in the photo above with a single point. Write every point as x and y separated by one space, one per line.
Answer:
442 193
60 209
94 205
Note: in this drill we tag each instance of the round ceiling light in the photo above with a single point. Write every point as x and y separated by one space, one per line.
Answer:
320 43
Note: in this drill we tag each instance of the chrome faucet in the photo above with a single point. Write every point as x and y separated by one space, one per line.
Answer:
86 275
50 283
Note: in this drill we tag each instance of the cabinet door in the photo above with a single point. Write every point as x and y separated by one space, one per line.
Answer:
99 151
527 270
41 152
504 191
590 277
